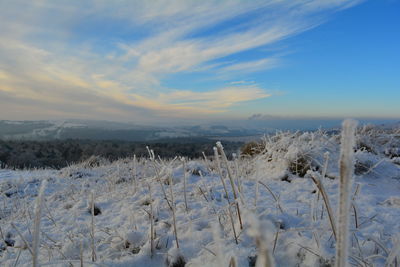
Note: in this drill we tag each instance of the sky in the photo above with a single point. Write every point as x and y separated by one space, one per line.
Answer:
184 60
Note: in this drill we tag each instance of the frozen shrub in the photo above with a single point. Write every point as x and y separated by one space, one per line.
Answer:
252 148
94 161
300 166
378 140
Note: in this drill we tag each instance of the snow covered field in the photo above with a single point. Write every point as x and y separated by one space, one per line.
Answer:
283 216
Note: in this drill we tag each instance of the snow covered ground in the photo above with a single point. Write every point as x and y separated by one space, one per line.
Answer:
282 211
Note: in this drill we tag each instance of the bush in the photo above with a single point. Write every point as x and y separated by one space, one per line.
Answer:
300 166
252 148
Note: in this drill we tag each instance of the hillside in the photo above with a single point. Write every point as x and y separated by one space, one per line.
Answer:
153 212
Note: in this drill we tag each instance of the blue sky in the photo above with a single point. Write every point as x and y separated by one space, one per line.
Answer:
168 61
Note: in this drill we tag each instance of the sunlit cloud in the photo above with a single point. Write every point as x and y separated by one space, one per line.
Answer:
109 59
251 66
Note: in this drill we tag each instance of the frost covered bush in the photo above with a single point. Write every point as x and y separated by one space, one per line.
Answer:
292 153
378 140
252 148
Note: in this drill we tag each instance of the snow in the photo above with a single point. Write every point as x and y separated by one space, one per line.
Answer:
289 222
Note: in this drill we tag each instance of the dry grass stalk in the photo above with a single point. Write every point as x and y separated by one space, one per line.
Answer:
221 149
232 262
275 241
2 235
162 185
17 258
238 180
22 238
226 193
49 215
233 224
151 223
173 211
135 172
81 253
36 228
321 189
346 165
353 203
184 182
206 161
204 195
325 167
273 195
221 174
92 226
152 159
257 187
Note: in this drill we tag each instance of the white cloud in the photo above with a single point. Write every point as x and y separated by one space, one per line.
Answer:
216 100
255 65
88 53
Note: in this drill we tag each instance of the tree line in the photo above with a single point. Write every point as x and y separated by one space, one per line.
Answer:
60 153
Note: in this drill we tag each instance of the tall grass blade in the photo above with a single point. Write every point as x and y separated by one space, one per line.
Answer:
346 165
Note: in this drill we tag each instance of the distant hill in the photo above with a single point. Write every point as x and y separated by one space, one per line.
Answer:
105 130
238 130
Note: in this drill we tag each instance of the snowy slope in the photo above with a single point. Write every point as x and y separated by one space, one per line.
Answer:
280 208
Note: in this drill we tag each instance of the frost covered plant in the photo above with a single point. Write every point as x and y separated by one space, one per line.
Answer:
300 165
38 215
135 172
221 150
252 148
173 210
226 194
184 182
346 165
221 174
257 181
92 226
377 140
151 223
318 182
153 161
264 257
238 178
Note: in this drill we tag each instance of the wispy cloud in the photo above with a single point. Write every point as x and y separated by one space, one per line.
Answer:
110 59
251 66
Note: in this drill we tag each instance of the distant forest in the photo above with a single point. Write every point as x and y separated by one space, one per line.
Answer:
60 153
